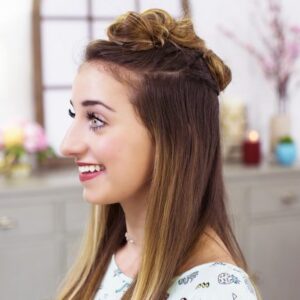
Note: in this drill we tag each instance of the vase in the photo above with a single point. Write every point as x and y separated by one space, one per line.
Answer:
280 125
286 154
17 168
233 121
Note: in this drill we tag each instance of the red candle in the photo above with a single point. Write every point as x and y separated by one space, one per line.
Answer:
251 149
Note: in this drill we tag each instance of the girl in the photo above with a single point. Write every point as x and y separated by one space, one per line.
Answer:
146 140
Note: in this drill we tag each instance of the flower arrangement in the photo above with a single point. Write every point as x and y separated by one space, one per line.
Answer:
20 140
282 44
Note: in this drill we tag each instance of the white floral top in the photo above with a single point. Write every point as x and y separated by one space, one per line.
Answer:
210 281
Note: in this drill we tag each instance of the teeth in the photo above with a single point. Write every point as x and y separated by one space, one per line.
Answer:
85 169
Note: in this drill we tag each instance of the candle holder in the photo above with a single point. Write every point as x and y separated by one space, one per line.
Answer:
251 148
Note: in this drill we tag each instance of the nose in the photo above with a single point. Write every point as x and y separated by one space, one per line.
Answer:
73 144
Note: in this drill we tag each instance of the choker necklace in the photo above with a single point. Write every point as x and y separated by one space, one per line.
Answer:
128 239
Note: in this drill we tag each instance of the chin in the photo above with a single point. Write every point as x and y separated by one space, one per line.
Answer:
96 199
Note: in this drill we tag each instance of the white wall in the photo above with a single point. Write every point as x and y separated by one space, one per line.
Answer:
16 92
16 88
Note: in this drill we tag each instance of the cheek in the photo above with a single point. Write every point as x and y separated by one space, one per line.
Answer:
127 157
110 150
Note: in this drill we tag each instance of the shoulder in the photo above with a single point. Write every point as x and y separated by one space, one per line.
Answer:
213 281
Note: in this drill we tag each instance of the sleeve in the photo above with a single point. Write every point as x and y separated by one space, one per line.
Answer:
226 283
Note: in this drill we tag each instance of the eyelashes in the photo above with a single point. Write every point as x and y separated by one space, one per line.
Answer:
91 117
71 114
95 121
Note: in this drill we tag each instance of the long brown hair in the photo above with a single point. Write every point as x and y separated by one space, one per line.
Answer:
174 82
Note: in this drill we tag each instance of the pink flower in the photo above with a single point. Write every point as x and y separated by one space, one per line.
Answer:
293 50
274 6
35 138
295 29
268 67
281 47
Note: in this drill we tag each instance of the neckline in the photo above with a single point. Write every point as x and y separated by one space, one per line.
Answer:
121 272
187 271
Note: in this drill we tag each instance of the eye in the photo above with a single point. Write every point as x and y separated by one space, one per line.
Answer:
71 114
96 122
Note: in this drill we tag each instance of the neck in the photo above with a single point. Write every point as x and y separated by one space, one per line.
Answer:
135 215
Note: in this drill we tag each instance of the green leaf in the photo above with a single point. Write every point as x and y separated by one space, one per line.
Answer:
285 140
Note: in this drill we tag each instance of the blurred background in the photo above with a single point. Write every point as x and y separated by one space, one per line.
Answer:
42 213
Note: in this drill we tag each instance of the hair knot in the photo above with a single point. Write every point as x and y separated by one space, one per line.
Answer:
156 29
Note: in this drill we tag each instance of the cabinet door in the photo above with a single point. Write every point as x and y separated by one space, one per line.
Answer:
72 250
274 257
29 270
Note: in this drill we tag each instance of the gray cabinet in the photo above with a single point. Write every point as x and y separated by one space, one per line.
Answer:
265 204
42 220
41 223
29 270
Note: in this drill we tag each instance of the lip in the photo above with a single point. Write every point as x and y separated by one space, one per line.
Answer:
88 176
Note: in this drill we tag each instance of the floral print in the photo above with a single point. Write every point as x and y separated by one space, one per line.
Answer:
210 281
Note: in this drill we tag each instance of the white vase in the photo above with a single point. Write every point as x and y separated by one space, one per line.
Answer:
280 125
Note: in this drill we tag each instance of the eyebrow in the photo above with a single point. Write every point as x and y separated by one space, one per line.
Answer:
86 103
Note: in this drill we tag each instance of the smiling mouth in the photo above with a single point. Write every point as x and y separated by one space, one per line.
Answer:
91 169
88 175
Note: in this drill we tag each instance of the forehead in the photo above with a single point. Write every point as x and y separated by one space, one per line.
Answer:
124 76
95 81
93 75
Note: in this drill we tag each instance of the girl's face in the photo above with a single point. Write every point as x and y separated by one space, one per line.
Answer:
109 134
